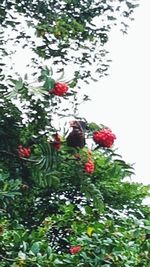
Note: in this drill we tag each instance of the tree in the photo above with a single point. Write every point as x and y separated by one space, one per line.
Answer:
70 32
63 204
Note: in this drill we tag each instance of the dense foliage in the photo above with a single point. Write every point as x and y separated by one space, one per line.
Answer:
65 195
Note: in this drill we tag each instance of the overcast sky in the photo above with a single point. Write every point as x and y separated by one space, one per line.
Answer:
121 101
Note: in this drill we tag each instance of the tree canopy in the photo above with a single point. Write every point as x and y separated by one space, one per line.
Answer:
69 32
66 198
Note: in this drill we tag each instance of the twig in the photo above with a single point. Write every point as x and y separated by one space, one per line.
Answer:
16 156
4 258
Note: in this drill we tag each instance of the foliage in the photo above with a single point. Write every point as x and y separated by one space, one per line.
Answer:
52 206
59 204
68 32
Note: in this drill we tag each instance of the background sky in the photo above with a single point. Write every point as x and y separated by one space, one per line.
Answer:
121 100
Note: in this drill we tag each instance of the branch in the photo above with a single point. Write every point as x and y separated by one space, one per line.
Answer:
4 258
16 156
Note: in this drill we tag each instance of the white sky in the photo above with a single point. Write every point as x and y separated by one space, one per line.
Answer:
121 100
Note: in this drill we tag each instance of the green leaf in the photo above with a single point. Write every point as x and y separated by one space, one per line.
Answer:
35 248
57 261
46 161
19 84
49 83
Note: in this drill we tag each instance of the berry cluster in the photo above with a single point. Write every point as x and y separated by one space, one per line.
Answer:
89 166
24 152
104 137
57 141
76 249
59 89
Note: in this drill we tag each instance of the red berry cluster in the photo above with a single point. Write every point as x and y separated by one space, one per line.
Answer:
57 141
59 89
24 152
89 166
104 137
76 249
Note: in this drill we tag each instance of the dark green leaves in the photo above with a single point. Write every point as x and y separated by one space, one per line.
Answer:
46 161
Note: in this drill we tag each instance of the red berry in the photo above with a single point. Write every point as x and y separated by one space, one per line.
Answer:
89 166
57 141
24 152
59 89
104 137
74 250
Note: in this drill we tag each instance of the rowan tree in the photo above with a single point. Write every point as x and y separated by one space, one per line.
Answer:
66 198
